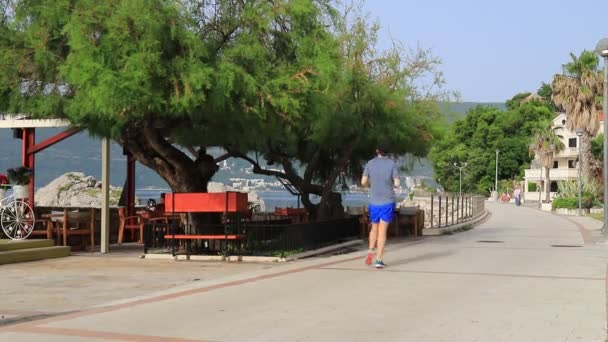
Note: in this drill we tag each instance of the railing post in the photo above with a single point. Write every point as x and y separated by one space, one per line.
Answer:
439 212
457 210
452 209
462 208
447 208
431 217
471 200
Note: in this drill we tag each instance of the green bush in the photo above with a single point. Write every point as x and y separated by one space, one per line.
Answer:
565 203
531 187
572 202
569 188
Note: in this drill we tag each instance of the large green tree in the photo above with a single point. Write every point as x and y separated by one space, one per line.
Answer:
376 96
167 79
475 139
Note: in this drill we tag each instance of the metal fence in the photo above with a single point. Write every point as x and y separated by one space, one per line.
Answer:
450 209
282 239
275 237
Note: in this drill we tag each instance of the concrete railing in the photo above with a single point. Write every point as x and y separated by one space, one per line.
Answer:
451 209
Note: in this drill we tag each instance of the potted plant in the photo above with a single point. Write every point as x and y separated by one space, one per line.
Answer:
3 183
19 177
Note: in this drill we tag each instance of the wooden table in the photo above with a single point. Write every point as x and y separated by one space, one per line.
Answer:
80 216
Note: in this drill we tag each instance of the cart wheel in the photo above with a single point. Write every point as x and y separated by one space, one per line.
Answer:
17 220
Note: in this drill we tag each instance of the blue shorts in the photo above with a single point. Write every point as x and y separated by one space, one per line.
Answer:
382 212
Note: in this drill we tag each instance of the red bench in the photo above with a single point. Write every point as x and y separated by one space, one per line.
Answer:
204 237
197 202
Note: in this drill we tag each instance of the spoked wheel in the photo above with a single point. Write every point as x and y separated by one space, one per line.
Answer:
17 220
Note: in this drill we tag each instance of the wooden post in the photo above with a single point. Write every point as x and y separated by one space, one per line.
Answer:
431 218
105 195
65 226
92 227
452 209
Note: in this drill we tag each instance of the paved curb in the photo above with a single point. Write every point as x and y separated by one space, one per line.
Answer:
325 249
440 231
244 258
230 258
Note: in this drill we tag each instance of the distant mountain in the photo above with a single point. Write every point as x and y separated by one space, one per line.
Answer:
82 153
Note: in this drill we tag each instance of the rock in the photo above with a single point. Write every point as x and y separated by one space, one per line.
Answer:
74 189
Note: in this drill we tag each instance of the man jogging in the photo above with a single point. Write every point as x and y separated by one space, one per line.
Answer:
382 175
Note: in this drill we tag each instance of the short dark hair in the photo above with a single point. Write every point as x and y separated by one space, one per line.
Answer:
382 148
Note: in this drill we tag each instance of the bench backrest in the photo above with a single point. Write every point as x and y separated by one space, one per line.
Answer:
203 202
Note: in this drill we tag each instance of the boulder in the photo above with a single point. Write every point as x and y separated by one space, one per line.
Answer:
74 189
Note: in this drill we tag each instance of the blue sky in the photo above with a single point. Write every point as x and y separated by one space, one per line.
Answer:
494 49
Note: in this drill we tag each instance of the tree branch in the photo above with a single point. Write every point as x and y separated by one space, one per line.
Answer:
224 157
257 168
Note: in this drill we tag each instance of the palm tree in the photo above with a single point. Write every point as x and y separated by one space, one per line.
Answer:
546 144
578 91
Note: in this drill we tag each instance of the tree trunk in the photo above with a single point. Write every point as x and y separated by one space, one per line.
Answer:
547 185
181 172
587 156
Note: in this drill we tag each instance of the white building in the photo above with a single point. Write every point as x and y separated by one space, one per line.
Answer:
565 164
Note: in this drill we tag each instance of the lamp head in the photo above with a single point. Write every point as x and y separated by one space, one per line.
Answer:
602 47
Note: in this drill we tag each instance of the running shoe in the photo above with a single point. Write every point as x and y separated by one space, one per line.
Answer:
380 264
370 257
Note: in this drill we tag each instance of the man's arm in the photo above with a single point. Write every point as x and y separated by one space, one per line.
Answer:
365 177
365 181
396 181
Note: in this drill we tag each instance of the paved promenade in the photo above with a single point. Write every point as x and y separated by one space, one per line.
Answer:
523 275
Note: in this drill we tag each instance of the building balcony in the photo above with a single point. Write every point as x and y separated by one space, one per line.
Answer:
554 174
568 152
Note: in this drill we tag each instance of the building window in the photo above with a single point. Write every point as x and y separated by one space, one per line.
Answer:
572 164
572 142
555 164
554 186
563 122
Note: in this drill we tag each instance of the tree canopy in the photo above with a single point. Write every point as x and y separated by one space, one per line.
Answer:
475 139
295 80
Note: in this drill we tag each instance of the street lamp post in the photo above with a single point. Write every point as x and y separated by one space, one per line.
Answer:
547 180
462 166
540 170
579 132
602 50
496 177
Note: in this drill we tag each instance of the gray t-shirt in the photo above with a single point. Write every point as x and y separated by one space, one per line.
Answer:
381 171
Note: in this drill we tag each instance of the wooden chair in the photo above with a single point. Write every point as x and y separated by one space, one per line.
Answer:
126 223
67 223
46 225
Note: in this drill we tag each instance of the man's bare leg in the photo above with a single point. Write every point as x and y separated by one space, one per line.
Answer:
373 237
381 240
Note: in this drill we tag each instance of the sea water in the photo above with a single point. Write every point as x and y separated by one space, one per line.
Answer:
273 199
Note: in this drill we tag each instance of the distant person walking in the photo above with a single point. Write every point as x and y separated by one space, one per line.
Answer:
382 176
517 196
